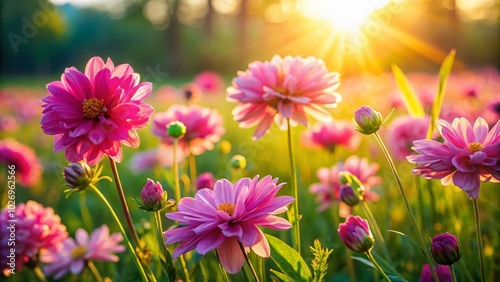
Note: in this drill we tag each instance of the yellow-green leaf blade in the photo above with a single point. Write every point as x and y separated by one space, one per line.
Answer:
408 94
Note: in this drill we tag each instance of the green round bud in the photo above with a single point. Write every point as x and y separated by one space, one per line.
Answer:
238 162
176 129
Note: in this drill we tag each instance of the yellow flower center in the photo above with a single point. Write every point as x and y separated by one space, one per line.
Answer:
227 207
78 252
93 107
475 146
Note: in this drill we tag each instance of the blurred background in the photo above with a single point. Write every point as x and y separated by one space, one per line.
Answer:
177 38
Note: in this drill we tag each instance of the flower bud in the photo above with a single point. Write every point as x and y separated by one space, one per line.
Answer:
349 196
176 129
224 147
79 176
154 198
446 249
367 120
356 235
238 162
443 273
205 180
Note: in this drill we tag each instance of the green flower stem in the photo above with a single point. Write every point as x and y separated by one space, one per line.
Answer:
350 265
192 171
184 268
166 253
39 274
453 276
124 234
378 233
175 168
222 270
296 227
87 221
372 259
254 274
123 202
94 271
407 204
479 240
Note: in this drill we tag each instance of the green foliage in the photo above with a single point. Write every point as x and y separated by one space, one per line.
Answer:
320 262
444 72
292 265
408 94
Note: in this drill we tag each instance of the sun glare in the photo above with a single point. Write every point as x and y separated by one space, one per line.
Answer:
342 14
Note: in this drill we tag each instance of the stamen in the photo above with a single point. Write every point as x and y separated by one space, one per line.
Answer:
93 107
475 147
227 207
78 252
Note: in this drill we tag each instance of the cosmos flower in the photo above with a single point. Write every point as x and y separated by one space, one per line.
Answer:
328 136
36 229
328 190
468 155
203 127
402 132
205 180
280 89
93 113
100 246
209 82
228 215
27 166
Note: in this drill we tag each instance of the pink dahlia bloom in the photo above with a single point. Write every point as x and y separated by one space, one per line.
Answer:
94 113
402 132
468 155
228 215
283 88
100 246
328 190
443 273
209 82
36 228
27 166
328 136
203 127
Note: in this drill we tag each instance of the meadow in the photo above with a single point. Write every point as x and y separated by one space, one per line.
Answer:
438 208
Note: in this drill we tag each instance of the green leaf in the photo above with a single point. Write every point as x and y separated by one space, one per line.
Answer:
411 240
394 277
288 260
281 276
408 95
444 72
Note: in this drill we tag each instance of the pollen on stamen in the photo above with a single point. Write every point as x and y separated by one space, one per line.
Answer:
78 252
226 207
475 147
93 107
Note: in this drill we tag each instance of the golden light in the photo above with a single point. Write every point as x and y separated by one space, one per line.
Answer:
342 14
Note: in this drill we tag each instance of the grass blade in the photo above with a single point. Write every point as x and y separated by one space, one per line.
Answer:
408 94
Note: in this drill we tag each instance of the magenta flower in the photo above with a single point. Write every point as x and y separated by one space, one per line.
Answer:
328 190
356 235
101 246
445 249
93 114
203 127
209 82
27 166
228 215
402 132
160 156
469 155
443 273
205 180
36 228
283 88
328 136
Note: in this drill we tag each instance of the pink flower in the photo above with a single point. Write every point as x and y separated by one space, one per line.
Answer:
160 156
469 155
92 114
283 88
27 166
328 190
443 273
203 127
36 228
402 132
228 215
152 193
356 235
328 136
209 82
72 257
205 180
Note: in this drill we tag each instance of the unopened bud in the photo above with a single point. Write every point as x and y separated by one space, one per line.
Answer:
367 120
238 162
176 129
